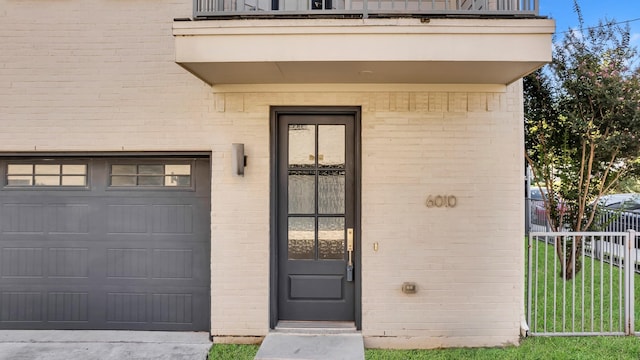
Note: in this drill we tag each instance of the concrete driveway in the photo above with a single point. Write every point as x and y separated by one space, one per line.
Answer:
103 345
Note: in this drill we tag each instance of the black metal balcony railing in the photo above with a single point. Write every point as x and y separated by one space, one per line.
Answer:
363 8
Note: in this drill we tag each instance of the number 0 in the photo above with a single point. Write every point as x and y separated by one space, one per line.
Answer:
452 201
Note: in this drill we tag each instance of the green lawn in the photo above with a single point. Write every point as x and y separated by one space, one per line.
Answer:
232 352
592 302
596 348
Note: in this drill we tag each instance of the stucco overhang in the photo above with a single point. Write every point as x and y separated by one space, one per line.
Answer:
401 50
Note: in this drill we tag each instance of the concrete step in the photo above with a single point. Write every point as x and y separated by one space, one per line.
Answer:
316 327
279 345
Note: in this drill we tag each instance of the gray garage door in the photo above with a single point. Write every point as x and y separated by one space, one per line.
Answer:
104 243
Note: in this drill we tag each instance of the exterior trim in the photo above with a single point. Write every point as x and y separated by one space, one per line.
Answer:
273 208
362 88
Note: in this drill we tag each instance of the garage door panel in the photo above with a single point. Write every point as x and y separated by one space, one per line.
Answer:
22 219
22 262
70 309
94 258
127 261
127 219
172 219
157 307
63 305
21 306
41 262
127 307
67 218
155 219
68 306
172 264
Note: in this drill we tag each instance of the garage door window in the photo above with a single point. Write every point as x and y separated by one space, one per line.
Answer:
46 175
151 175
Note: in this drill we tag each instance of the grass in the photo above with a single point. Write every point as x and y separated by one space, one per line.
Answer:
592 302
583 348
531 348
232 352
567 297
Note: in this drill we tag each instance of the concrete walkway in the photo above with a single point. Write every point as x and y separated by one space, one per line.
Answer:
103 345
302 342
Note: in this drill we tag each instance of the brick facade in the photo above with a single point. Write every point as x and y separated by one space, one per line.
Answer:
100 76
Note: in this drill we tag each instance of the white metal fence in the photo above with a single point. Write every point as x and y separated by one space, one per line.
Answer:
606 221
600 299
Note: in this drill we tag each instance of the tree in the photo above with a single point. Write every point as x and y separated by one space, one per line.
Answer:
583 126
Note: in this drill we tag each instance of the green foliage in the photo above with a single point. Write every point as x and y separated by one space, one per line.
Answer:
232 352
600 97
545 135
583 124
630 184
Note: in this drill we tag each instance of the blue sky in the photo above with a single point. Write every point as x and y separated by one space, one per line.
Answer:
592 11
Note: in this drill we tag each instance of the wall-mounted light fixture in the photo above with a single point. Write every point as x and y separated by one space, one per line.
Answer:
238 159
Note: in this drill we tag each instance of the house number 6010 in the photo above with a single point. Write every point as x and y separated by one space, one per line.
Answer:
438 201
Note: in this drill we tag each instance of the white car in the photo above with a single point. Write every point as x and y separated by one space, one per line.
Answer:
626 202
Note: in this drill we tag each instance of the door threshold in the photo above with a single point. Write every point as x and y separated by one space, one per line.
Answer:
316 327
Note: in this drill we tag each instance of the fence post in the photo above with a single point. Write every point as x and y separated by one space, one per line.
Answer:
527 201
529 281
629 288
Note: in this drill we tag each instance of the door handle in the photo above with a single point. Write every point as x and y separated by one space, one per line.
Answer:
350 253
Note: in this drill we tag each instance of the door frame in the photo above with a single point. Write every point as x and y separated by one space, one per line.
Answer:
275 112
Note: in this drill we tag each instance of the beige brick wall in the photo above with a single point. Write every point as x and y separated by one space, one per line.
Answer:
467 261
99 75
89 71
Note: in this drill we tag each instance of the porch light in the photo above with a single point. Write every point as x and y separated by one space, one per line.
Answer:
238 159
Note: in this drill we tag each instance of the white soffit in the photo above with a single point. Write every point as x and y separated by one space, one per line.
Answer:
363 51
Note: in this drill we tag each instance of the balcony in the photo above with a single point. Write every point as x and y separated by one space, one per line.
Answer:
207 9
370 42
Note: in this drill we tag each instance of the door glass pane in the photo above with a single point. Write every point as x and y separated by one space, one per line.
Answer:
177 169
301 236
331 140
19 180
331 238
123 181
74 169
47 180
177 180
151 180
302 188
19 169
331 192
74 181
151 169
123 170
302 146
47 170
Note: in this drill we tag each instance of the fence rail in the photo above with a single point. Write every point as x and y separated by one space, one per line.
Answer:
598 300
363 8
